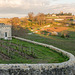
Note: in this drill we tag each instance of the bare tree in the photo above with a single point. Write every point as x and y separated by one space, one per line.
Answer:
31 16
40 18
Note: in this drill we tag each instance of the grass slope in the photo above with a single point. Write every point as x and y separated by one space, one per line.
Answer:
67 44
44 54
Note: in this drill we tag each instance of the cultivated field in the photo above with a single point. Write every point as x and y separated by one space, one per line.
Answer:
67 44
16 51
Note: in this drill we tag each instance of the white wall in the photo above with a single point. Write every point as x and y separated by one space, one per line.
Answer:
5 29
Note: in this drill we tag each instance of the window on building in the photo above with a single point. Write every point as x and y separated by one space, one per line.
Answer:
5 34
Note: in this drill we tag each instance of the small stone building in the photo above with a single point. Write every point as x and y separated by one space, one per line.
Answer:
5 31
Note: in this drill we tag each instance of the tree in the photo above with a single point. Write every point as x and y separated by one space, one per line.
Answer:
24 21
31 16
40 18
15 21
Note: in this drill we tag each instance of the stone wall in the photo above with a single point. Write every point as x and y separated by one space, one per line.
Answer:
65 68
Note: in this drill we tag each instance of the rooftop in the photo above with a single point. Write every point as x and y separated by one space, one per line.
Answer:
4 25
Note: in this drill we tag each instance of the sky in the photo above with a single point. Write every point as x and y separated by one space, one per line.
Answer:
20 8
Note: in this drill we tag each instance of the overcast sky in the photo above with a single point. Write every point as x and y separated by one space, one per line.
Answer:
20 8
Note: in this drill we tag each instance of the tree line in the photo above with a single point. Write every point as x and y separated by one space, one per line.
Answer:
31 20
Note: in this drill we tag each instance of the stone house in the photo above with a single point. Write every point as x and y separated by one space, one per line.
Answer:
53 15
5 31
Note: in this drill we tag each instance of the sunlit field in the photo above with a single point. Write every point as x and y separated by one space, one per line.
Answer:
17 51
67 44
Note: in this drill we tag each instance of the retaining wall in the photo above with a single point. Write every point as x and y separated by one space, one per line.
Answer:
65 68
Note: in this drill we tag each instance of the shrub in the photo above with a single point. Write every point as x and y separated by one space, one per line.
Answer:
54 33
65 34
62 36
44 32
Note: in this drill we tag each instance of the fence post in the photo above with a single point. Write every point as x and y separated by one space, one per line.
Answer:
8 50
30 49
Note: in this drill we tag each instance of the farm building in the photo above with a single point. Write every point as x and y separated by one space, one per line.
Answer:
54 15
59 19
5 31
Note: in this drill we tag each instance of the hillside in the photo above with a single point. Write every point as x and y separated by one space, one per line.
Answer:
17 51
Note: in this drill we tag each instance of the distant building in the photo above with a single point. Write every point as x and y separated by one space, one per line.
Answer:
58 19
54 15
5 31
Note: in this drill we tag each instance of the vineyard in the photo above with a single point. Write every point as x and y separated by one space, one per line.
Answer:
11 48
16 51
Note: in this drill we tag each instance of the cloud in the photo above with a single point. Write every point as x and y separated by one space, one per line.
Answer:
22 7
10 3
64 7
20 3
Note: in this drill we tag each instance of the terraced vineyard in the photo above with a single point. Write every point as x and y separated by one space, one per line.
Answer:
16 51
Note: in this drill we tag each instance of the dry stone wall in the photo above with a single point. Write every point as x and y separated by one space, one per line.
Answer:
65 68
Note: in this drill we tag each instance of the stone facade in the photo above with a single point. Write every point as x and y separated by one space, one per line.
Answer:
64 68
5 31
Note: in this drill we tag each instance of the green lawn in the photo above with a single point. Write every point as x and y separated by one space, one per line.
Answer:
17 51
